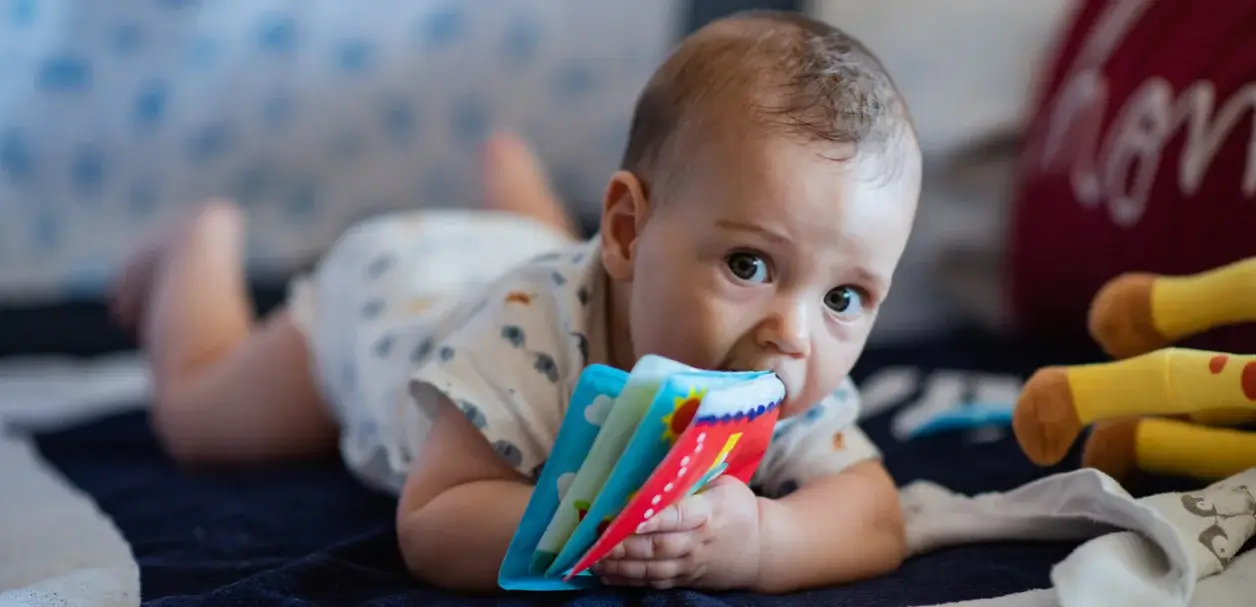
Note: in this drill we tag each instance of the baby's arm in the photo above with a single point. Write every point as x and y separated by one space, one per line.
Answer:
836 529
839 528
460 507
493 389
843 524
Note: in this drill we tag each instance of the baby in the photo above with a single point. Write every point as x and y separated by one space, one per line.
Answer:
767 192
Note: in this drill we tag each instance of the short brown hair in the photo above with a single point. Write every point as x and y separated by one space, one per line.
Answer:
777 69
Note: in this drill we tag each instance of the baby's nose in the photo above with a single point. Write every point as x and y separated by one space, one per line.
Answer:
788 332
786 337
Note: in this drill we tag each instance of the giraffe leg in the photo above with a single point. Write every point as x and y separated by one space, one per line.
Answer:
1167 446
1136 313
1121 319
1112 447
1223 417
1057 402
1045 421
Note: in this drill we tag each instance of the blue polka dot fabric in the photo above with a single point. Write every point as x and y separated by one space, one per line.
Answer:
311 114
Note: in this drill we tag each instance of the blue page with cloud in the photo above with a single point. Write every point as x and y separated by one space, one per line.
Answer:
590 403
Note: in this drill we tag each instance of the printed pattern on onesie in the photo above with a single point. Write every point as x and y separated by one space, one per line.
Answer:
511 366
824 440
381 303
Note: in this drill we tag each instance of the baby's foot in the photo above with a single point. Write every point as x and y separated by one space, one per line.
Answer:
131 290
1111 448
1121 319
515 181
1045 421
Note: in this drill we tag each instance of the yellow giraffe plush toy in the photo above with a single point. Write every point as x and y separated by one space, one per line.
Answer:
1156 409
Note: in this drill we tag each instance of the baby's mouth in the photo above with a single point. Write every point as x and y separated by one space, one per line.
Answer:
784 387
733 369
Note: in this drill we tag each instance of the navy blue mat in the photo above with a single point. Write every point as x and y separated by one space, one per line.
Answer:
309 534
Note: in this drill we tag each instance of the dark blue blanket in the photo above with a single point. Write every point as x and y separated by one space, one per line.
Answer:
309 534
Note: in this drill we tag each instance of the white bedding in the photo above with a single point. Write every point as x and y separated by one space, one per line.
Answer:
56 547
1148 552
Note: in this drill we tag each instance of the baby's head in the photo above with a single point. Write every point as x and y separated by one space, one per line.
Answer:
766 195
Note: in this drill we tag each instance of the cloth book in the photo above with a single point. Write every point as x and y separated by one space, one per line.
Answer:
630 445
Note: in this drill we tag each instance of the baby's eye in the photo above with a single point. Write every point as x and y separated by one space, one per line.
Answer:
748 267
845 301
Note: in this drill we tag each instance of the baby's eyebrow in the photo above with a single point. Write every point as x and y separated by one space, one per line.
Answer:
741 226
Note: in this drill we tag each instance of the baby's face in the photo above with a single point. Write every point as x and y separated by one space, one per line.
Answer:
778 259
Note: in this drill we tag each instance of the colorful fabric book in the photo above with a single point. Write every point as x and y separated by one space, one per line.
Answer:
632 444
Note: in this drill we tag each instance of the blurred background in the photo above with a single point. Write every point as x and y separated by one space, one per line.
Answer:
315 113
1065 142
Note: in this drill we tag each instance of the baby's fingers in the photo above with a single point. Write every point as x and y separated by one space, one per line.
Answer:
642 583
686 515
653 573
662 545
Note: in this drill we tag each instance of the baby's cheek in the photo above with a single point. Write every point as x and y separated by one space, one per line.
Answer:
838 358
682 314
689 340
688 332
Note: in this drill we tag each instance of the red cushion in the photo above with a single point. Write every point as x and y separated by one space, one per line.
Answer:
1120 172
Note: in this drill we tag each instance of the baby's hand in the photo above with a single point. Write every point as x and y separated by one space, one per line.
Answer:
709 540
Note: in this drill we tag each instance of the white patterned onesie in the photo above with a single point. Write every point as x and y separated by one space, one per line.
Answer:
408 308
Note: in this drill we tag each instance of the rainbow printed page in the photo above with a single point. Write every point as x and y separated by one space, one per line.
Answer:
670 429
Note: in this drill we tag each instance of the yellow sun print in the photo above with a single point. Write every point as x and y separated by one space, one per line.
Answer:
683 410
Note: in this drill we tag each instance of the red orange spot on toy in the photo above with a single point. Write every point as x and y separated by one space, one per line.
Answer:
419 304
1218 363
519 297
1249 381
839 441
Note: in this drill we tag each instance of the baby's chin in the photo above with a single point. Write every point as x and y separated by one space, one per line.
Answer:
791 408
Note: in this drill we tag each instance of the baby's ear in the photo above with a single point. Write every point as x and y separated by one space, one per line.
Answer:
624 211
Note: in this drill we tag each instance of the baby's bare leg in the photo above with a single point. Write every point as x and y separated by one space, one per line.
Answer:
226 391
515 180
